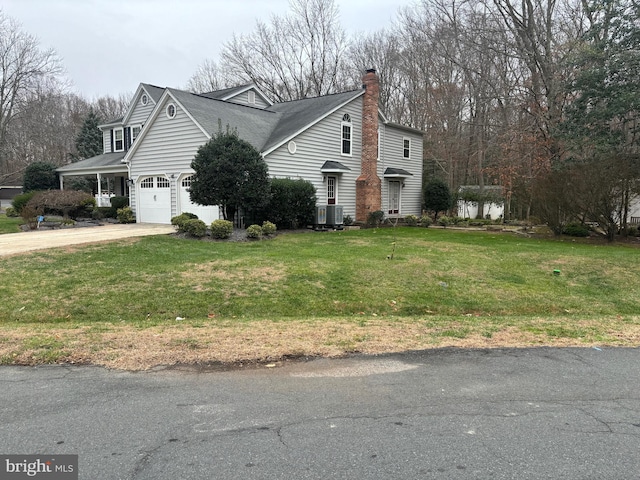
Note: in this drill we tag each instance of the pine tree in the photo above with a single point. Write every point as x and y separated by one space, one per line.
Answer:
89 140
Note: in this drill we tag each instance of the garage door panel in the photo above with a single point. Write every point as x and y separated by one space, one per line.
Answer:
155 200
206 213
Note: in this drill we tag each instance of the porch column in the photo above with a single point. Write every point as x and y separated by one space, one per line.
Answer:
61 182
99 187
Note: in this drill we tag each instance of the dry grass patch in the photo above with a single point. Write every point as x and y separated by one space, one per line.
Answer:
134 348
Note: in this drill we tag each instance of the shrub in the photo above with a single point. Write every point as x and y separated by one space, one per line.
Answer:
194 227
11 212
347 220
254 231
119 202
40 176
29 214
292 203
458 220
444 221
68 203
180 220
376 218
221 229
125 215
411 220
96 214
425 221
21 200
576 230
633 231
106 212
268 228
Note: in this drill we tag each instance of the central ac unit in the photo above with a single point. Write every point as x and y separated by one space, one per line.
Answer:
321 215
334 215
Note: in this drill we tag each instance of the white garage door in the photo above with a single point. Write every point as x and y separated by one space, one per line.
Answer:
206 213
155 200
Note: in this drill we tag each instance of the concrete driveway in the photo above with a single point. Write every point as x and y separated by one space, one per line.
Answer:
16 243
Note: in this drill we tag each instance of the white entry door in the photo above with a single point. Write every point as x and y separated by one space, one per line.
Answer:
206 213
155 200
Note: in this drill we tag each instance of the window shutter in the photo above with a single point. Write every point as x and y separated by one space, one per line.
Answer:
127 138
111 139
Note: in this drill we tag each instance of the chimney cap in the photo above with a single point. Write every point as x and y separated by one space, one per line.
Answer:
371 70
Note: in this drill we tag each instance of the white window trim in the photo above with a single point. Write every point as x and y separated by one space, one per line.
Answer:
406 139
175 111
350 125
251 97
144 99
115 141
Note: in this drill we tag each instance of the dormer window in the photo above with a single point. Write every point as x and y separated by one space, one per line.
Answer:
144 100
346 134
118 139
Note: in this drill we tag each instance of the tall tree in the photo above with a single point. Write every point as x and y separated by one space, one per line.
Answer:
25 69
231 173
89 139
208 78
294 56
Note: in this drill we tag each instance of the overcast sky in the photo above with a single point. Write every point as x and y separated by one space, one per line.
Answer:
110 46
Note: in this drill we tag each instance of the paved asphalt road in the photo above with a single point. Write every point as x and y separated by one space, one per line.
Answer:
441 414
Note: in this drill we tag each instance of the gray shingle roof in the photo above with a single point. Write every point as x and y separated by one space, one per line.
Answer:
225 92
252 124
397 172
333 166
262 128
154 91
104 160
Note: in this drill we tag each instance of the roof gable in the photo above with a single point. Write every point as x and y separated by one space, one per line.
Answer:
153 94
227 94
300 115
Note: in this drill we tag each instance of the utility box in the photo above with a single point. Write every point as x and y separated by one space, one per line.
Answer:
334 215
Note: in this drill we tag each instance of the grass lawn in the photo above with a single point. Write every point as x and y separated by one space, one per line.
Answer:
158 300
10 224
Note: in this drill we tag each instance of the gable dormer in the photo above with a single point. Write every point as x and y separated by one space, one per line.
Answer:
248 94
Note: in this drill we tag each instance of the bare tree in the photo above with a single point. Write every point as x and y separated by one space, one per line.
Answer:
24 68
298 55
111 108
208 78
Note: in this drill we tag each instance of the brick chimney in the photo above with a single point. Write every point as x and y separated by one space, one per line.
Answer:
368 185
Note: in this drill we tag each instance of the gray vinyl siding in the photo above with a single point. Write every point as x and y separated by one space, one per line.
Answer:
141 113
106 140
318 144
243 99
167 149
392 157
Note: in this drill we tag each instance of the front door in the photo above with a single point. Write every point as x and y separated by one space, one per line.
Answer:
332 193
394 198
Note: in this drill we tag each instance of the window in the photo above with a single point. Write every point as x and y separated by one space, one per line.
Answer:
406 147
346 134
251 96
331 190
163 182
135 131
186 181
118 139
394 197
147 183
171 110
144 100
292 147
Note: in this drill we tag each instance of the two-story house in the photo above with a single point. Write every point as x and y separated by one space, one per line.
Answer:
341 143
